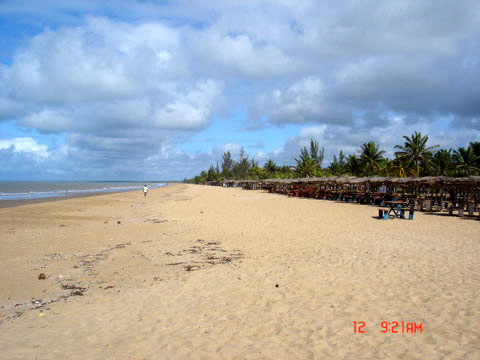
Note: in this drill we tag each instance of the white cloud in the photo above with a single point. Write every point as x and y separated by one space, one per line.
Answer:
48 120
25 145
261 155
232 147
101 60
232 54
190 111
313 131
304 101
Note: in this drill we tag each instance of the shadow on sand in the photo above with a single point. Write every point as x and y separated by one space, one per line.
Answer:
477 218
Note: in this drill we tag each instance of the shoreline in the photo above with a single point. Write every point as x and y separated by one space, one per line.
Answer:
21 202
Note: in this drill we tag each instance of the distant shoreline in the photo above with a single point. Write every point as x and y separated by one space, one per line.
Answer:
20 202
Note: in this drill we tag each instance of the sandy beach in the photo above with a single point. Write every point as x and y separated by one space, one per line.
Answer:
198 272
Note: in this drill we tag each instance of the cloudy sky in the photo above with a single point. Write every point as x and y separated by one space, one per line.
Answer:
152 90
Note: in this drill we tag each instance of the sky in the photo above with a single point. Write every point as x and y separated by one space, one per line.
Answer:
158 90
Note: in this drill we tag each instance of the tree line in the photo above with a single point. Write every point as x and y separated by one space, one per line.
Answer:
412 158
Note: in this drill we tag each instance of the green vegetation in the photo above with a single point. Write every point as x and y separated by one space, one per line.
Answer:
413 158
415 152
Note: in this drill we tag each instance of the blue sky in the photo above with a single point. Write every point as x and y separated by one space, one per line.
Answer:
132 90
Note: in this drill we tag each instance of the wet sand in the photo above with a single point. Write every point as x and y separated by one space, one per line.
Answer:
195 272
20 202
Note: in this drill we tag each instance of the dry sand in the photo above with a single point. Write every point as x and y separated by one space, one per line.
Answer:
191 272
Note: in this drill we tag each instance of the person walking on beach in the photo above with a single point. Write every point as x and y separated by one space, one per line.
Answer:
145 190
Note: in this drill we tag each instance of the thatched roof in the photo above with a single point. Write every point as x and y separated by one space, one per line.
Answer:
379 181
416 182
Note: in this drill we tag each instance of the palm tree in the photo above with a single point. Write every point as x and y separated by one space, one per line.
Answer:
399 168
341 162
286 172
415 151
306 167
385 167
257 172
442 162
476 150
465 161
370 157
270 168
334 167
353 165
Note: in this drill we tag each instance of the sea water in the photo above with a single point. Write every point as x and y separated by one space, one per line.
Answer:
24 190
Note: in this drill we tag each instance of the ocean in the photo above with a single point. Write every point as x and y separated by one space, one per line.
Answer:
24 190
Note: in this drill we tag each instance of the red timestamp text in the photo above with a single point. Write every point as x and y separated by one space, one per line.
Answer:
393 327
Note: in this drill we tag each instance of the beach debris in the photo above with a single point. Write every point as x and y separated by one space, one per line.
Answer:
18 309
76 290
193 250
119 246
192 267
60 277
155 221
276 285
109 287
42 276
72 287
205 255
119 222
87 262
54 256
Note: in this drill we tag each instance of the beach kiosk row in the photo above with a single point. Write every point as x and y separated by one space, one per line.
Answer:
450 195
